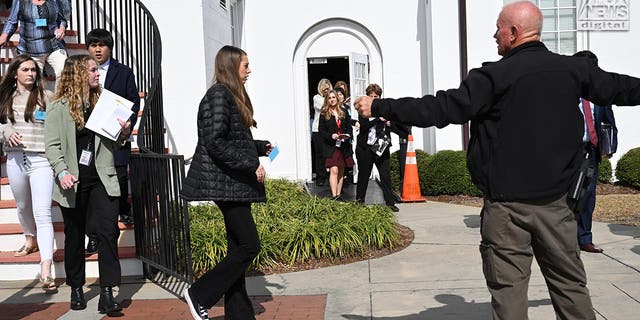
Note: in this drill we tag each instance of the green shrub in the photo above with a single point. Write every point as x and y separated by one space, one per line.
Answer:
293 227
628 168
447 173
421 157
605 174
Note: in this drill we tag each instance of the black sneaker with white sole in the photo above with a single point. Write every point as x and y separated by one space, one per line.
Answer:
197 310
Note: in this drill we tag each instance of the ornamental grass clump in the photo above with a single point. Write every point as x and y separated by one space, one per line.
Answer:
295 227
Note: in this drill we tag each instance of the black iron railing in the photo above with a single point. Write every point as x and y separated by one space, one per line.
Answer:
161 217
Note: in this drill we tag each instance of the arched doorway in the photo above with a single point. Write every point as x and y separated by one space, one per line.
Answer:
301 53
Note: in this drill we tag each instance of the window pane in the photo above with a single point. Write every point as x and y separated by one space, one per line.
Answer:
567 19
547 3
568 43
550 40
549 18
567 3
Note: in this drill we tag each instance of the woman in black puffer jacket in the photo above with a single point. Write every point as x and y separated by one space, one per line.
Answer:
226 169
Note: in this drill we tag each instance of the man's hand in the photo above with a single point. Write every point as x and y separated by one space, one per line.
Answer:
363 105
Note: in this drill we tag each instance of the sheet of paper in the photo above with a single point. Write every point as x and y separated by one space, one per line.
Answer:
105 114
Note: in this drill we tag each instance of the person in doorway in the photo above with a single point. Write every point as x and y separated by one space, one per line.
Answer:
86 185
42 28
324 85
345 88
340 93
225 169
595 117
119 79
335 130
372 147
23 106
525 155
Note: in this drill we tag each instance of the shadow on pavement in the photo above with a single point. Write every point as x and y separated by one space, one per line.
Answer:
472 221
455 307
624 230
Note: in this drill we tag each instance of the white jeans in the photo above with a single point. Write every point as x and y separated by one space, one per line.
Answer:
31 181
55 59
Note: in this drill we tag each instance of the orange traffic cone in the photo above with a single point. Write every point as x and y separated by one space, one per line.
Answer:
411 183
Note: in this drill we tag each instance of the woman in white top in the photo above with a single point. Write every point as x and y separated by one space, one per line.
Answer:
23 104
324 86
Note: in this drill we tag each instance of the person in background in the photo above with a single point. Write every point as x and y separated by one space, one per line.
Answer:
42 28
23 106
372 130
525 155
226 169
87 187
119 79
336 132
594 119
324 85
347 97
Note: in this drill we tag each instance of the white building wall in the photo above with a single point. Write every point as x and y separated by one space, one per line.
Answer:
271 46
183 68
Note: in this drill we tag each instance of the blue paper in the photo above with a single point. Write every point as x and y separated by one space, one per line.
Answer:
274 153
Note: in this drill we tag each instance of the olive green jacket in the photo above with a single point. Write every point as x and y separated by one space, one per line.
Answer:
60 149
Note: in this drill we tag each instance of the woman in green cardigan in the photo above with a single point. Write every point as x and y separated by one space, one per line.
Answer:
86 183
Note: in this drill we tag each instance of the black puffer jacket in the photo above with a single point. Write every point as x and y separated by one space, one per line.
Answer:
226 158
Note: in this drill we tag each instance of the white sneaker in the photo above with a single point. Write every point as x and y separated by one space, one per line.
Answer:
197 311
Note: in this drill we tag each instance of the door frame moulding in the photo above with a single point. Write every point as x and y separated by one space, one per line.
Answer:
300 79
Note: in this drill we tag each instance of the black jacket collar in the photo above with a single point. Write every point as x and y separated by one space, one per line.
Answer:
535 45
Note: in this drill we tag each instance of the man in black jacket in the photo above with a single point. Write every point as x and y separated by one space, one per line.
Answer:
524 155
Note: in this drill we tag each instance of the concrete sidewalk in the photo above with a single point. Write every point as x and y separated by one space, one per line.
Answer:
439 276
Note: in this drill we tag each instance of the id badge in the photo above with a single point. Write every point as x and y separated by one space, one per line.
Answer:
85 157
41 115
41 22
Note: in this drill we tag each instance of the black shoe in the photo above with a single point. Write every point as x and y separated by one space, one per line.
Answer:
77 299
126 219
92 247
107 304
197 310
393 207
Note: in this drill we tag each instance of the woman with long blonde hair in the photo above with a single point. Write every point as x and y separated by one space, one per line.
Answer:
86 183
225 169
335 130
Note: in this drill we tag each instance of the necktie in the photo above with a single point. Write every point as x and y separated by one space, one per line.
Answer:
588 118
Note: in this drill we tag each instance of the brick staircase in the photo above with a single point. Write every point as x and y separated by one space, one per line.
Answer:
11 237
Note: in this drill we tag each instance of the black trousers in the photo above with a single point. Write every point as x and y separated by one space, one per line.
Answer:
366 160
318 157
95 208
402 159
124 208
227 277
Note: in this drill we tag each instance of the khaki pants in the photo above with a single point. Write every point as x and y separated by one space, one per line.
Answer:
512 233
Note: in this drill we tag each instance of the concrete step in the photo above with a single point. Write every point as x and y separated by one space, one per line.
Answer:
11 237
25 268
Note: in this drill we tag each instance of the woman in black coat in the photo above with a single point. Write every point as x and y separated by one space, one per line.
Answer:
226 169
336 132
